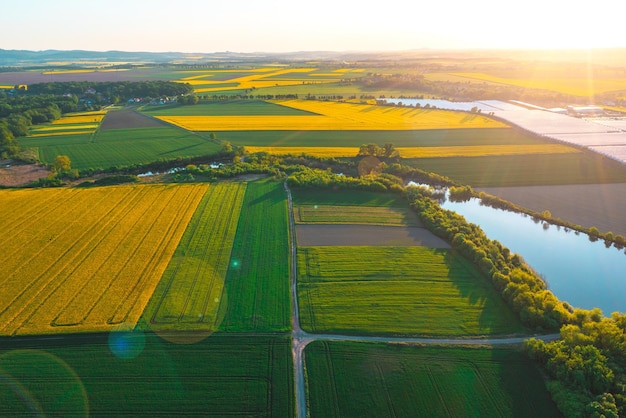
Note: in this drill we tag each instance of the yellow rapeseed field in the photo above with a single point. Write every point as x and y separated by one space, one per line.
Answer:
333 116
83 118
578 86
425 152
261 77
83 260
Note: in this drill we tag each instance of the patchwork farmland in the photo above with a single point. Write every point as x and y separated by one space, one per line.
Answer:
125 138
219 286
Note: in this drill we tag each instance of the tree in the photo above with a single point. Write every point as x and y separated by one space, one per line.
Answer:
62 163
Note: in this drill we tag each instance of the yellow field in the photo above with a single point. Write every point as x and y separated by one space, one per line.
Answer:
64 127
70 124
334 116
78 260
83 118
577 86
262 77
425 152
59 133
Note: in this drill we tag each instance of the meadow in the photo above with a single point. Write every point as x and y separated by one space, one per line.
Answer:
346 379
189 294
81 260
256 291
397 291
137 374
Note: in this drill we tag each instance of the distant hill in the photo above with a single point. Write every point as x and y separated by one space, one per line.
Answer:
22 58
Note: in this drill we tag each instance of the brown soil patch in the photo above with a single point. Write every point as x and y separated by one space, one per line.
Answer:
12 175
599 205
128 119
367 235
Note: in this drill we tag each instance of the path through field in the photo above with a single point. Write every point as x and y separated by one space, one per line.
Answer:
300 338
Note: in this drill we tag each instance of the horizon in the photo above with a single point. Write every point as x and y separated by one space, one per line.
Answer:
279 26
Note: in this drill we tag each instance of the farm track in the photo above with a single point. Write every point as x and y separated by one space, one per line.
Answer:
300 338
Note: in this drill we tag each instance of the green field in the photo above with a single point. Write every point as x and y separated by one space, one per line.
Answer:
375 380
226 108
122 374
397 291
330 214
122 147
418 138
189 294
257 283
308 197
526 170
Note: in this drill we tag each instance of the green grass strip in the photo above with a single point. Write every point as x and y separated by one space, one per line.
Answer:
257 286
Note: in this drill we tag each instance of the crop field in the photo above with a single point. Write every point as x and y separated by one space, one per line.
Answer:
400 139
397 290
136 374
575 85
122 147
79 260
224 81
365 199
347 379
226 108
425 152
257 284
70 124
335 116
189 294
329 214
526 170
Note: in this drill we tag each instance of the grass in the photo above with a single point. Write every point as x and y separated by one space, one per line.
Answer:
136 374
399 291
189 294
122 147
257 283
329 214
337 116
425 152
79 260
347 379
400 139
526 170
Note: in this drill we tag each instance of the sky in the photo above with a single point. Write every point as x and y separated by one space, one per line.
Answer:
312 25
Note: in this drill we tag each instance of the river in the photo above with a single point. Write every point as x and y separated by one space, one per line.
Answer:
586 274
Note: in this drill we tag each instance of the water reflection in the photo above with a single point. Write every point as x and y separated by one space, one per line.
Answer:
584 273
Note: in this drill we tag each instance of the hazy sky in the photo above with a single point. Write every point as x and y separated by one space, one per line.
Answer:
295 25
